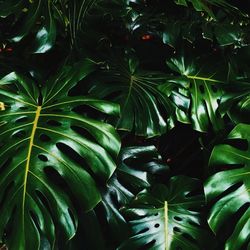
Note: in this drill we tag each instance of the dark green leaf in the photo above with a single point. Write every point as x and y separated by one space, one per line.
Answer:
204 92
230 190
166 217
48 151
144 109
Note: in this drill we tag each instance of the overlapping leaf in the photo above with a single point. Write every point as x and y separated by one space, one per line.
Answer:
34 16
49 149
230 189
144 109
204 92
166 217
135 172
236 100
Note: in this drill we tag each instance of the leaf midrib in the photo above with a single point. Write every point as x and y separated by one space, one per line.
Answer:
27 166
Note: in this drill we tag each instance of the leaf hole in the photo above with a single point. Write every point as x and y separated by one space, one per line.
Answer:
44 138
157 225
43 200
73 219
19 134
202 89
43 157
176 230
83 132
54 123
21 119
23 108
35 219
177 218
214 88
148 245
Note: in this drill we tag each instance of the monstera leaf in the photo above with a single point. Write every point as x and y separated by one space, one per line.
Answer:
51 152
201 5
230 189
166 217
135 172
31 16
204 92
144 109
236 101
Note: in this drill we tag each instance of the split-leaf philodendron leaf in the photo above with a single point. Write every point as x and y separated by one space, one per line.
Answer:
135 172
167 218
144 109
230 189
49 151
204 92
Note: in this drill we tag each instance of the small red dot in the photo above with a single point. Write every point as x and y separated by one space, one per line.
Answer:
146 37
9 49
169 160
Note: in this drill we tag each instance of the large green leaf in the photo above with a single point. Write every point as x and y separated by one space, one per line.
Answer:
166 217
136 169
230 190
29 16
203 90
206 6
50 149
236 100
144 109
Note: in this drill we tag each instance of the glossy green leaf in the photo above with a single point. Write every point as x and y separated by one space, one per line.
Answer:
230 190
46 35
236 101
200 5
136 170
49 152
10 6
166 217
144 109
204 92
229 34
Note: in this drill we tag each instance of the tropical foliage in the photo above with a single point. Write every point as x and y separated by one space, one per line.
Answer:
124 124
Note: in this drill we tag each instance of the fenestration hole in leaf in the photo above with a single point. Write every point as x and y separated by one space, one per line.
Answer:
44 138
21 119
148 245
176 230
189 237
43 157
54 123
202 89
23 108
144 230
72 217
83 132
34 219
18 134
43 200
157 225
177 218
55 177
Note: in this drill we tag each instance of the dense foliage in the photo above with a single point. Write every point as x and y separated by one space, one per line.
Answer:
124 124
